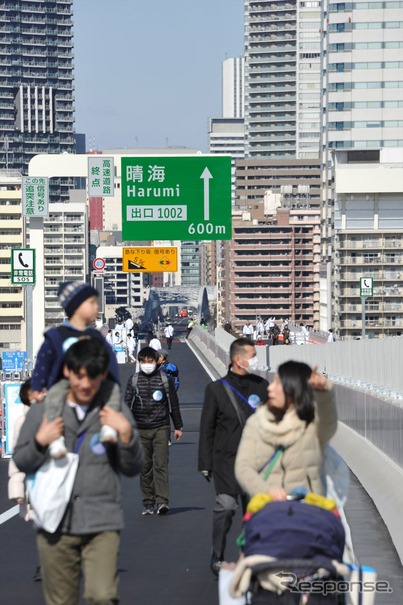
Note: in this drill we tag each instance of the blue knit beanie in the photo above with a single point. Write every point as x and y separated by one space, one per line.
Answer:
72 293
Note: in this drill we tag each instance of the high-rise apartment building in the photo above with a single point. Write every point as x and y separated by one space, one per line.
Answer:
233 84
227 133
36 84
12 312
362 166
282 78
271 266
65 234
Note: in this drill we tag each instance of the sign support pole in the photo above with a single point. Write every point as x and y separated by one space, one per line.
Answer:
363 299
28 327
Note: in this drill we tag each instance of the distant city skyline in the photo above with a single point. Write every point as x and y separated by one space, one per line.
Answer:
149 72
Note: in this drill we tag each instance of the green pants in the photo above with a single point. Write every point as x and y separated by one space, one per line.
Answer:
63 557
154 478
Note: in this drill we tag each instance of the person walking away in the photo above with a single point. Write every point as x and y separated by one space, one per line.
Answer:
87 539
228 402
129 326
16 479
275 331
131 347
305 333
259 328
80 303
190 327
170 369
153 405
169 334
155 343
109 338
330 336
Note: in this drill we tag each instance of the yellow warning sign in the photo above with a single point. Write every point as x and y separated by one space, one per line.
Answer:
147 259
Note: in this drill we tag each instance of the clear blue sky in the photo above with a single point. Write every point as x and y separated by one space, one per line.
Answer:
148 71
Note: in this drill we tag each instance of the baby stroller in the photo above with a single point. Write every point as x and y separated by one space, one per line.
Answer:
293 554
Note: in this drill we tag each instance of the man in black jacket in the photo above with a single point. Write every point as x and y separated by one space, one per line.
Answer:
228 402
153 400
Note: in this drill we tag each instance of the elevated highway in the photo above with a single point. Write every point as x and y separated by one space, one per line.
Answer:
165 560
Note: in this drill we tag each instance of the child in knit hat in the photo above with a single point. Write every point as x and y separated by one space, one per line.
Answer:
80 303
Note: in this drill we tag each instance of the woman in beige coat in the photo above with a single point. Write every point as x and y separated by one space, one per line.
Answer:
295 424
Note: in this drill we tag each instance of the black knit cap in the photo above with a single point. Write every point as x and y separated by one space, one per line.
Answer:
72 293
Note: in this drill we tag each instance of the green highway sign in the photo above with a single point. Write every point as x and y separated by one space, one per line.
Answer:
366 286
176 197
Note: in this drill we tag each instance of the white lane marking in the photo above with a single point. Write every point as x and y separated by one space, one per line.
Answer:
9 514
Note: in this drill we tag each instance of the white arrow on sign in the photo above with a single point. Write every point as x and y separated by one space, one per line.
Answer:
206 176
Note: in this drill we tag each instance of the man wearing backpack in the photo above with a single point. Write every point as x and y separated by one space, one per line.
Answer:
152 398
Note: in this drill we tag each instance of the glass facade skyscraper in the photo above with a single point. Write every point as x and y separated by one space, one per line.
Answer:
36 84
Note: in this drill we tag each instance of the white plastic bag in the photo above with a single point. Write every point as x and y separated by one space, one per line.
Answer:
224 581
49 490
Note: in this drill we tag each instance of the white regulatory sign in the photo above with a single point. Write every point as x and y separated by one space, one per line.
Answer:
23 266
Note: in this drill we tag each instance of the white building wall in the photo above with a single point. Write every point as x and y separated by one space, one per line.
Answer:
65 253
233 99
12 315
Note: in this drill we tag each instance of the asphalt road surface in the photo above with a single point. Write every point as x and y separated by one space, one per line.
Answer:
165 560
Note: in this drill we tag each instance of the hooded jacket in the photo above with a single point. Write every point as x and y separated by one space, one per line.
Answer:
300 463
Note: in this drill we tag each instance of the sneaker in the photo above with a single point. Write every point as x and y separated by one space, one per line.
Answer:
149 510
162 509
215 564
58 449
108 434
37 575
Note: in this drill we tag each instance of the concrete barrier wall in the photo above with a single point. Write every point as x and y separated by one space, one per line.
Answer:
370 434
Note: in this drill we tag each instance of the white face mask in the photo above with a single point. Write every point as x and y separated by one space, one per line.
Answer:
252 364
148 368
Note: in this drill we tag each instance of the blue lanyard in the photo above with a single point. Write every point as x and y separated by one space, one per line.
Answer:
238 393
79 442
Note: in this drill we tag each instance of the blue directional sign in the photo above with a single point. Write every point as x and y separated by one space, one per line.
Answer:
13 361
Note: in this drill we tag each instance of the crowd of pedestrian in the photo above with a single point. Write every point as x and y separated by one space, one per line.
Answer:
270 332
82 409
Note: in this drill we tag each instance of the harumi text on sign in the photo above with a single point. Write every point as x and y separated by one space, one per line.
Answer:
180 197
